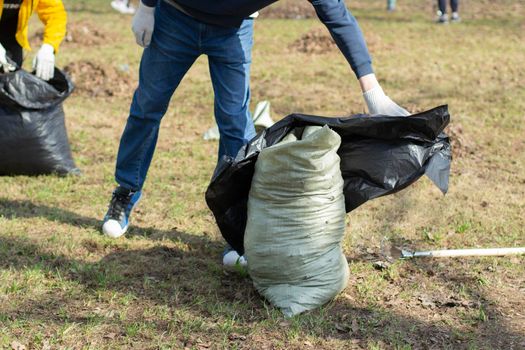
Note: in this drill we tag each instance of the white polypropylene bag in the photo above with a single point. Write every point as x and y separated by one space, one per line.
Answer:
296 222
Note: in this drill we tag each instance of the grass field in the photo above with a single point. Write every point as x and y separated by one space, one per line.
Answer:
65 286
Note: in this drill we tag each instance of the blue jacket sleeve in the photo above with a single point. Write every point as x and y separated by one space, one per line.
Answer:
346 33
150 3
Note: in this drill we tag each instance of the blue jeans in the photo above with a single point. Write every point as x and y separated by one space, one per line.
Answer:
442 4
178 40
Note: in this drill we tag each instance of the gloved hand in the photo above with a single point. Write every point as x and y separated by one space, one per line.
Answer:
6 66
44 62
379 103
143 23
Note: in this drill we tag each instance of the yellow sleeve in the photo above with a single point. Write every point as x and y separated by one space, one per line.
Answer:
53 14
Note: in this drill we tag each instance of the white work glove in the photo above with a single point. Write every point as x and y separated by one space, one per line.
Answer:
379 103
6 67
44 62
143 23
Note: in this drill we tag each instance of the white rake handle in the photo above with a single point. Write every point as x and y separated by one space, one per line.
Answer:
470 252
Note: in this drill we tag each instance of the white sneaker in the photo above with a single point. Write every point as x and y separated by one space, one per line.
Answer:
122 7
231 258
455 17
116 220
442 19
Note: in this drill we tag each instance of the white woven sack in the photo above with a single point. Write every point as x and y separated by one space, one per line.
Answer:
296 221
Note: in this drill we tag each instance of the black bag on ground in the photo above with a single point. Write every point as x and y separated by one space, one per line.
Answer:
379 155
33 137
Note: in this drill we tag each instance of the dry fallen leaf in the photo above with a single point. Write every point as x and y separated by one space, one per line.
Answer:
17 346
284 323
235 336
426 302
381 265
343 328
355 326
45 345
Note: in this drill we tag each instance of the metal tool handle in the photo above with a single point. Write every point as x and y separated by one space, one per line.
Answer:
469 252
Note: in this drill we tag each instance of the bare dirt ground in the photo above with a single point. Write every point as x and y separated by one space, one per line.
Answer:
79 34
101 80
461 144
317 41
288 10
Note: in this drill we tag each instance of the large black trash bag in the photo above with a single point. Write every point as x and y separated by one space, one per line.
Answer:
380 155
33 137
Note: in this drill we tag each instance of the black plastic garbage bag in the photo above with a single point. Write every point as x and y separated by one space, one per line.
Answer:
379 155
33 137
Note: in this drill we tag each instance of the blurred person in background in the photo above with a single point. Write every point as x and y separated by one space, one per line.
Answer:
442 11
123 6
14 20
390 5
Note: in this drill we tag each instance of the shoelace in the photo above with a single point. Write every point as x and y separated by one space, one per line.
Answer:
118 205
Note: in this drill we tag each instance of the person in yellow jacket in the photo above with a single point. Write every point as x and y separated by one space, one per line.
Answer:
14 19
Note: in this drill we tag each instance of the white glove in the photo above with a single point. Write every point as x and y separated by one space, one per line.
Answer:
379 103
6 67
143 23
44 62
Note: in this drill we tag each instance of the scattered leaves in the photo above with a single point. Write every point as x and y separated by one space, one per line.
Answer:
15 345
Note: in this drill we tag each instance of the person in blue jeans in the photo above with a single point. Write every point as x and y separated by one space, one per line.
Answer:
174 34
442 12
390 5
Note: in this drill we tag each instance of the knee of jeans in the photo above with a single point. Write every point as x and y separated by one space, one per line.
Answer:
241 130
234 123
143 107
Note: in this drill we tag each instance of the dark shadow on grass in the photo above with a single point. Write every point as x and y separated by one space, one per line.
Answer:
191 279
12 209
398 331
160 274
15 209
466 292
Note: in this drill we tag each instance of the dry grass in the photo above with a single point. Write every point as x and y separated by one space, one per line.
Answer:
63 285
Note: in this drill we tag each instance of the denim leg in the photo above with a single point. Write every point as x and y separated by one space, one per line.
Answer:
164 63
454 5
442 4
229 56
